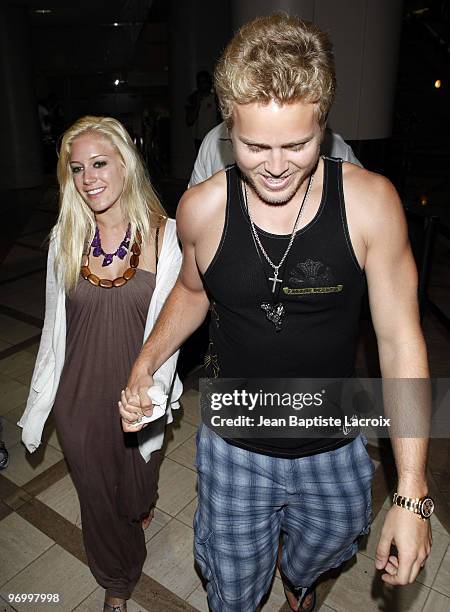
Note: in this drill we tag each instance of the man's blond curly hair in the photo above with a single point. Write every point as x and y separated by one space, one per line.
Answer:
277 57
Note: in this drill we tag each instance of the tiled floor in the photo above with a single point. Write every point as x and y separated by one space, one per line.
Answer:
41 548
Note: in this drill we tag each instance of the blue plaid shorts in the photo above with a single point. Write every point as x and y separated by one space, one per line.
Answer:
321 504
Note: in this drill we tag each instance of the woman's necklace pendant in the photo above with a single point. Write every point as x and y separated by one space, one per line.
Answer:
108 257
274 313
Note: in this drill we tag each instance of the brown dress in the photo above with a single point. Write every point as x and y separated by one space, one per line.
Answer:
115 486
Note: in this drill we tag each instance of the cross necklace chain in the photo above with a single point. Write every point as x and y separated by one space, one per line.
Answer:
275 312
275 267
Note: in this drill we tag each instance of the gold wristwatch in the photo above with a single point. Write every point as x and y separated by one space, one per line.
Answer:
423 506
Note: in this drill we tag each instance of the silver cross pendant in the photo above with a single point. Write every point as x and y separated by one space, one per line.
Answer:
275 280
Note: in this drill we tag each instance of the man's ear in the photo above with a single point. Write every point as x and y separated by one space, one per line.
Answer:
323 130
229 136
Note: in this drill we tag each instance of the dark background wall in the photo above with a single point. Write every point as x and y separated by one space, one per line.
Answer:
137 60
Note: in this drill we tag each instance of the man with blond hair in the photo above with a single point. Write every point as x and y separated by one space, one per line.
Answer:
279 246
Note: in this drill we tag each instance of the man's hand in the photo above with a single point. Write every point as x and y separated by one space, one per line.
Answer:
134 400
412 538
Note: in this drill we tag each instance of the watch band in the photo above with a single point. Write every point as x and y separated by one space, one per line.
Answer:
422 506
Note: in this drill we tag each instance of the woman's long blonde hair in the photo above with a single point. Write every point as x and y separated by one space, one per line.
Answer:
75 226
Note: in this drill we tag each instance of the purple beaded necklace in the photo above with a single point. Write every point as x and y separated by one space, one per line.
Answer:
108 257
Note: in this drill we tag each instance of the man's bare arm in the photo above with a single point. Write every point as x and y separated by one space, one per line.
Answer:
184 311
392 282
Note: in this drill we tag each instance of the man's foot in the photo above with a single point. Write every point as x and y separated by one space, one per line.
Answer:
115 604
4 456
148 519
296 602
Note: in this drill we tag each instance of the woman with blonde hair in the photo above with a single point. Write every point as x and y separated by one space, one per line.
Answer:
113 258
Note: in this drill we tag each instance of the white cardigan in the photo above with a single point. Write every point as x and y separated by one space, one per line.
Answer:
52 348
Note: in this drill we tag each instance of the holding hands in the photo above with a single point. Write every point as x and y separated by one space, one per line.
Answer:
135 402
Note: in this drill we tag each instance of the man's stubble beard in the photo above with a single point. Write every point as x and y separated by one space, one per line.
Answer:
288 197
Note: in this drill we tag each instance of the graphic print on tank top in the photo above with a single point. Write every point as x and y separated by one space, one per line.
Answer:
311 277
210 363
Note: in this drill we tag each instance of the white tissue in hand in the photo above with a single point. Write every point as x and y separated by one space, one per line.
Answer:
157 395
159 399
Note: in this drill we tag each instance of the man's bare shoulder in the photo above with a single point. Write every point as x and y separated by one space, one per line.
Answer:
370 198
205 196
368 186
202 206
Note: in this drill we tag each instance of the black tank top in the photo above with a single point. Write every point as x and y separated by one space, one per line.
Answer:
321 291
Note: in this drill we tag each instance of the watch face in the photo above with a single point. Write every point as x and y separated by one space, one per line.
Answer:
427 507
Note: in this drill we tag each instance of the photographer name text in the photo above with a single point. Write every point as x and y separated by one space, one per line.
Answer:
296 421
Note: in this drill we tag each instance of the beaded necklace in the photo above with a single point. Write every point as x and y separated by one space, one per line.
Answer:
106 283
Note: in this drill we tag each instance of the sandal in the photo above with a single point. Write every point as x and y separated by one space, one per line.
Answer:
301 595
115 608
4 456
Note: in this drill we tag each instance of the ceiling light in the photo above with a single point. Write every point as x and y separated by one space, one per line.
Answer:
116 82
43 11
437 83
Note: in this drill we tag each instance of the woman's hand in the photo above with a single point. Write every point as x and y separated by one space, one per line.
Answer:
134 400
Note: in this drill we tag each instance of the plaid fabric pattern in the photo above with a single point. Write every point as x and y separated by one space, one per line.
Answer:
320 504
